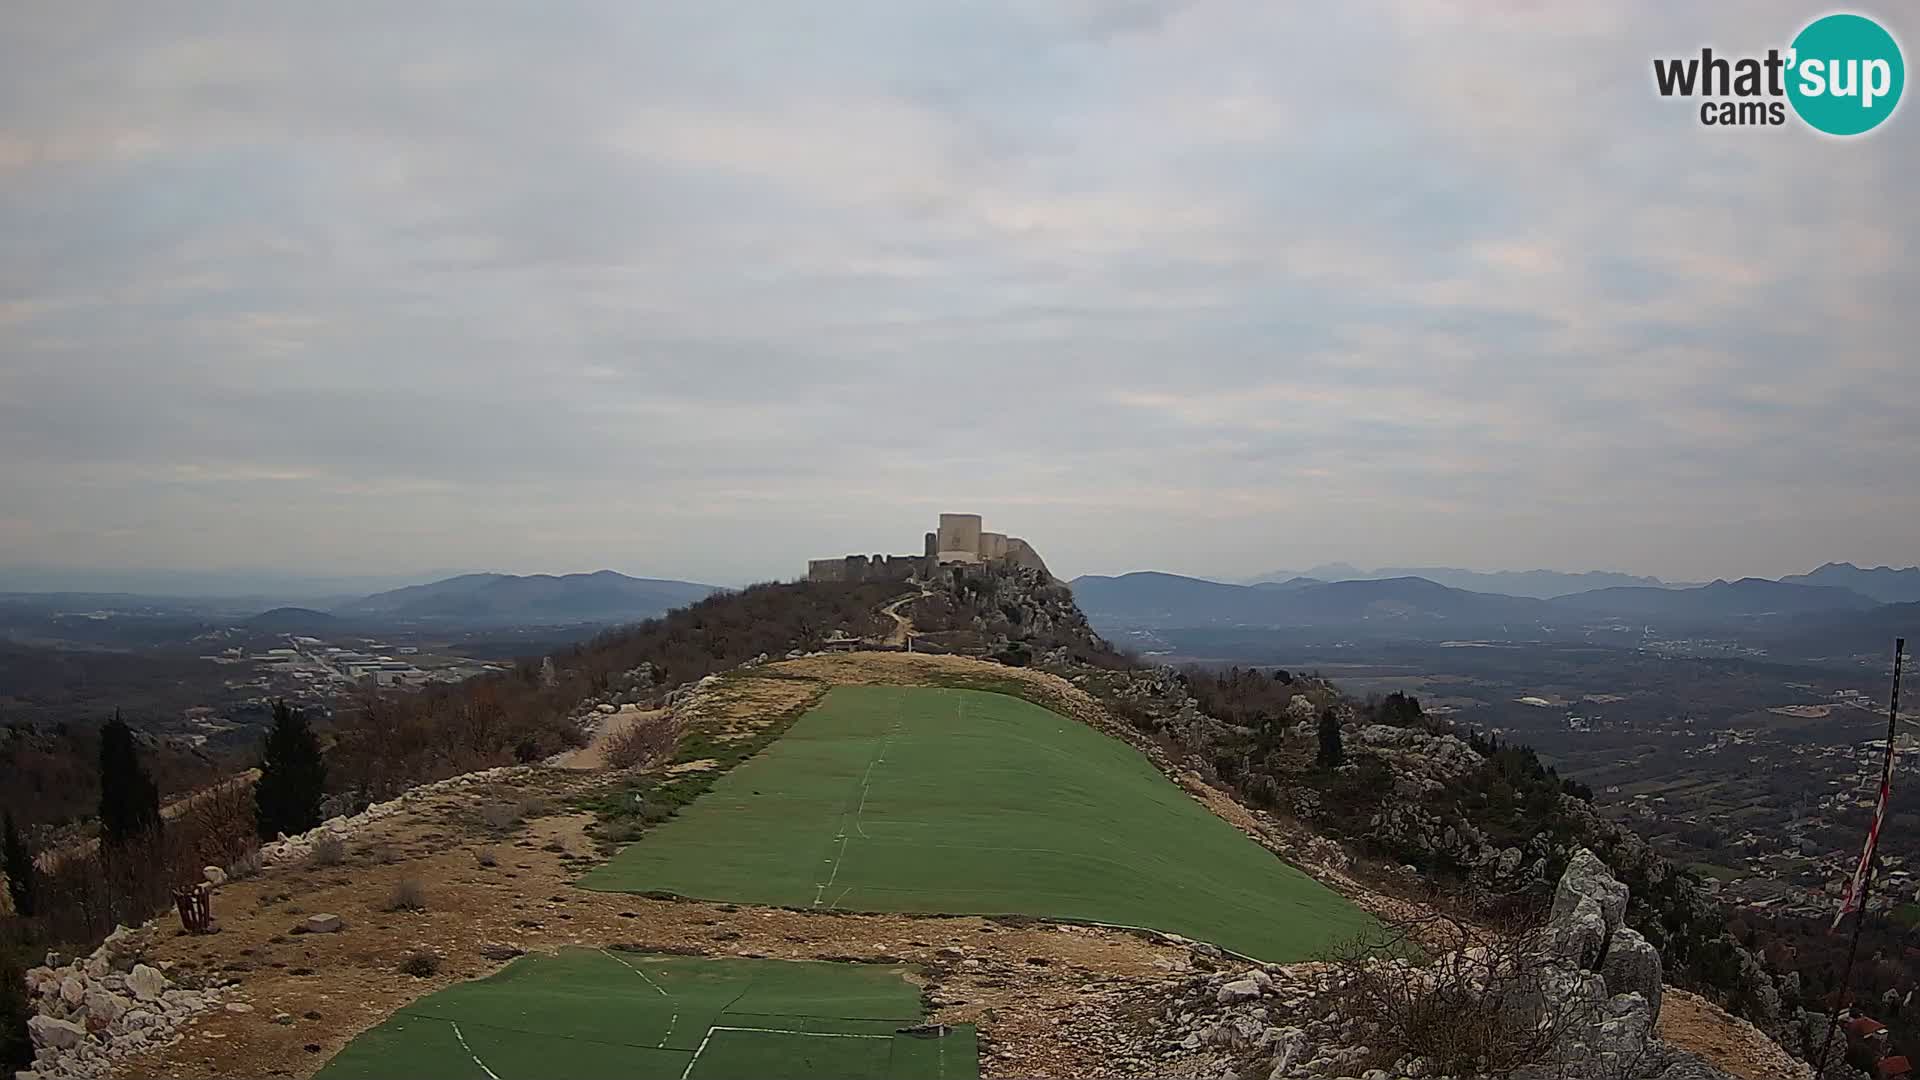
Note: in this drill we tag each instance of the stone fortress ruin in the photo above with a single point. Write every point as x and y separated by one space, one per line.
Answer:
958 540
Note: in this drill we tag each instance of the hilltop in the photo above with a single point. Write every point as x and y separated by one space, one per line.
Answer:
1417 815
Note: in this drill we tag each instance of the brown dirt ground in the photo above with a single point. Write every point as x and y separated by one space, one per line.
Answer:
1696 1024
1021 981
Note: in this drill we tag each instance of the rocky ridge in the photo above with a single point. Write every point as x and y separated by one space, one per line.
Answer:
1589 978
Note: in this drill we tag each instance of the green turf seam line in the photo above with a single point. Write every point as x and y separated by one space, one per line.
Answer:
470 1053
411 1015
675 1019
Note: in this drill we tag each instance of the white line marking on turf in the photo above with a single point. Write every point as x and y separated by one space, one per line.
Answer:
866 784
470 1053
688 1071
675 1019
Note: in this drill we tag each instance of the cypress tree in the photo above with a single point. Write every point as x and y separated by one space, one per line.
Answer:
293 776
18 861
1331 752
129 799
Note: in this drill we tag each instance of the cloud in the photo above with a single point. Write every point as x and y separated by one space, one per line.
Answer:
704 290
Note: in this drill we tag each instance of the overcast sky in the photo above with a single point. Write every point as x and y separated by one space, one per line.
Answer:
701 290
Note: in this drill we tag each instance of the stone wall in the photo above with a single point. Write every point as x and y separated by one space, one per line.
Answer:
865 568
959 539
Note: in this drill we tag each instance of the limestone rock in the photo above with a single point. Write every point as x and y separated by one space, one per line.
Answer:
324 924
58 1034
1588 877
215 876
1632 966
104 1006
1238 990
146 983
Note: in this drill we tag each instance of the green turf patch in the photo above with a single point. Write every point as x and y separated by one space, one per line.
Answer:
599 1013
964 802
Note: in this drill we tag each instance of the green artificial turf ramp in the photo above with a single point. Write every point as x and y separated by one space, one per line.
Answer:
591 1013
963 802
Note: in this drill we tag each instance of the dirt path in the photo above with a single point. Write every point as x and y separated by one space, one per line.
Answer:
594 754
902 626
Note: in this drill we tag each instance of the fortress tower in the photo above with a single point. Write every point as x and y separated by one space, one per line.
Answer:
959 538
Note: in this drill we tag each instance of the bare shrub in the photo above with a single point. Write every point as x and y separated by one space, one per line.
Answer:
499 817
644 741
221 819
533 808
409 894
244 866
1478 1007
486 857
420 964
329 850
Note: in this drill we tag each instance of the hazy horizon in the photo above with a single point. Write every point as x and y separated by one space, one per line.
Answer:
703 292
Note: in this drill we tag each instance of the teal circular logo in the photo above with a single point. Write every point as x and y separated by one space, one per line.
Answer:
1845 74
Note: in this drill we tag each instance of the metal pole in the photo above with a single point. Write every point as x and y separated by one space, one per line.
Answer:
1845 992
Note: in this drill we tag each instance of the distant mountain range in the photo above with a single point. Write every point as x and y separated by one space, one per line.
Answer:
1539 584
1152 599
1156 600
604 596
1883 583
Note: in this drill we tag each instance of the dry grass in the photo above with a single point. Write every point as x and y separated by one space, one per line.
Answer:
409 894
329 850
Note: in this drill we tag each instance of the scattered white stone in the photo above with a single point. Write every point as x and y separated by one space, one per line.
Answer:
56 1034
324 924
146 983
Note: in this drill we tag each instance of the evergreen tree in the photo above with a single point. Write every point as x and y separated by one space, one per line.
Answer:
16 1042
293 776
129 799
1331 753
18 862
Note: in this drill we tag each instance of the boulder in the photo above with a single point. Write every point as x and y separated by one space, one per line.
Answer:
55 1034
1632 966
73 990
146 982
105 1007
1588 877
1579 934
1237 990
215 876
324 924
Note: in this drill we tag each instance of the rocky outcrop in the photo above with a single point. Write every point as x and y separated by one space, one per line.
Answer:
1586 979
90 1013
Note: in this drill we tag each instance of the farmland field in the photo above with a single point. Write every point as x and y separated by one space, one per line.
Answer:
600 1013
916 799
